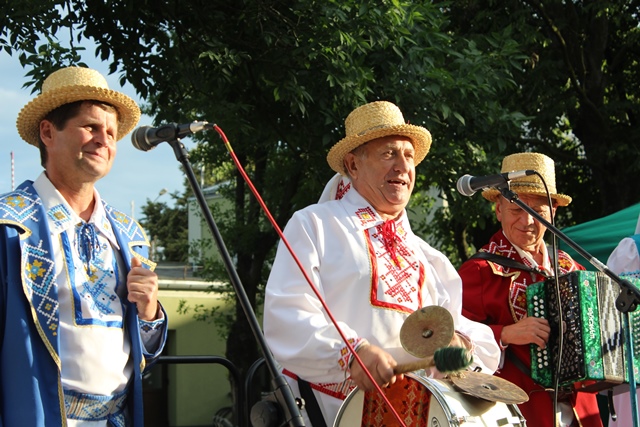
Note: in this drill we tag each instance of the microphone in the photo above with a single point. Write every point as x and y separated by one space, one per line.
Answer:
468 185
145 137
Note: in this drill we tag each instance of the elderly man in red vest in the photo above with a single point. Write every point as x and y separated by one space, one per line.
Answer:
494 292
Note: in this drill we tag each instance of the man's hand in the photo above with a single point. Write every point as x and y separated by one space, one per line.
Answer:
529 330
378 362
459 341
142 285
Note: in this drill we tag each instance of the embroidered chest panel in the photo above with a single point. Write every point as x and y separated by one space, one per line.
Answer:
94 283
400 275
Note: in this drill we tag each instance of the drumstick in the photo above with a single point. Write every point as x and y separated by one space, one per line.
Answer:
425 363
445 359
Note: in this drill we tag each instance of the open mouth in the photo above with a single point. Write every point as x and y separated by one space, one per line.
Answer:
397 182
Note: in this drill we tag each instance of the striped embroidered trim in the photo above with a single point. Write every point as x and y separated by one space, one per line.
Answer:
148 327
356 344
337 390
342 189
92 407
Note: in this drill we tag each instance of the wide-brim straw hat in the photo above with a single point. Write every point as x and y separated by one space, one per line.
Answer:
531 184
376 120
73 84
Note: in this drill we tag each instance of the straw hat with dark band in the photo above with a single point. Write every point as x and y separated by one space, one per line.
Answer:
375 120
530 184
69 85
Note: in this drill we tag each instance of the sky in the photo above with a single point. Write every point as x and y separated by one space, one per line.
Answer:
136 176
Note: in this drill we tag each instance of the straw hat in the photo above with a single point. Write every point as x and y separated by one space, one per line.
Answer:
73 84
375 120
530 184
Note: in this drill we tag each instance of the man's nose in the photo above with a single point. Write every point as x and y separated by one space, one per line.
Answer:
403 163
102 137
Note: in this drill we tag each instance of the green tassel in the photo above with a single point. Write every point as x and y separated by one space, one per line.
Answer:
452 359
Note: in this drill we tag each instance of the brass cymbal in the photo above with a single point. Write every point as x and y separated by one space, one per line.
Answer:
489 387
426 330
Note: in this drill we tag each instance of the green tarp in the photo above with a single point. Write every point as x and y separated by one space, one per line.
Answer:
600 236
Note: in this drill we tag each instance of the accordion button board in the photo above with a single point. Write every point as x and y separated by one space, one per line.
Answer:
539 309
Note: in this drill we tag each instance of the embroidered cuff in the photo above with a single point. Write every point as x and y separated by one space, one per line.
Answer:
345 354
356 344
147 327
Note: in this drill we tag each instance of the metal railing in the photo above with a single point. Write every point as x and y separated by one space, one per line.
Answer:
238 390
241 390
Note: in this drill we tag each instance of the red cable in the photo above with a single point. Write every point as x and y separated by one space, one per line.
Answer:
304 273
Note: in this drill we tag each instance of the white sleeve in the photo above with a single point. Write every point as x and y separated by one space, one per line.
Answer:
624 258
301 337
486 352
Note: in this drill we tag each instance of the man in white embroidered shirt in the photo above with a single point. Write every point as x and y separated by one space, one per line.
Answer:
357 246
79 314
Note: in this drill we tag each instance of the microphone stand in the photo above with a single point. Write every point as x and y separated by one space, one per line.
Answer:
282 391
626 302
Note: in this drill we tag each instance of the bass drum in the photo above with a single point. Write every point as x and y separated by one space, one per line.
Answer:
424 402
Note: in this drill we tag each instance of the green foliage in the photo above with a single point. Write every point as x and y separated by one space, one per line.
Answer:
167 228
23 25
578 89
280 77
486 77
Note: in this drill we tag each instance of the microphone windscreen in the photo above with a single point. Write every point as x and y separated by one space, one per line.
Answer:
464 186
139 139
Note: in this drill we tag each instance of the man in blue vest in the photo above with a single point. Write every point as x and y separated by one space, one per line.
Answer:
79 315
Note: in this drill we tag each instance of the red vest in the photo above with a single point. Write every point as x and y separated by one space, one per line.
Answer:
496 296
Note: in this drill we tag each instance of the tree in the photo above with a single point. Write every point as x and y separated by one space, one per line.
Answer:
579 91
487 77
167 227
280 77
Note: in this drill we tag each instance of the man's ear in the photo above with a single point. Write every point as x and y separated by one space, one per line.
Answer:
46 131
498 209
350 165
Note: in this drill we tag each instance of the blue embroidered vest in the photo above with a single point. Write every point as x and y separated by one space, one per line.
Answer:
23 209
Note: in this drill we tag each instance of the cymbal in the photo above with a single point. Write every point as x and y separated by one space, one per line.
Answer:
489 387
426 330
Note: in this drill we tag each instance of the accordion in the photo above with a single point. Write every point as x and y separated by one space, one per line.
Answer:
593 348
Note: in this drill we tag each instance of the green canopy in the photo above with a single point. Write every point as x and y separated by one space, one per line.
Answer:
601 236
